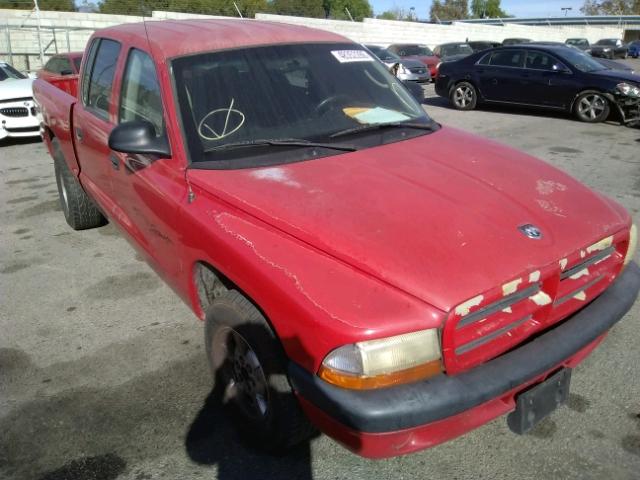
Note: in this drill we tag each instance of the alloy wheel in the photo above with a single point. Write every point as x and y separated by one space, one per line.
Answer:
591 106
463 96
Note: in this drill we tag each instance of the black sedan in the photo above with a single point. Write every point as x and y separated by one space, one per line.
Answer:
609 48
550 77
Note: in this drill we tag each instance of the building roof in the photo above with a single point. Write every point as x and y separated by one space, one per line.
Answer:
183 37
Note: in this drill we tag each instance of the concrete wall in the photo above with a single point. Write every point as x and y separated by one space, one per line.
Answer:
69 31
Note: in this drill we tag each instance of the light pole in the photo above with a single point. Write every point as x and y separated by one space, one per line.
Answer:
566 9
412 13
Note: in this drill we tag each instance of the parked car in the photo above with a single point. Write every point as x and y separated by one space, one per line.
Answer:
633 49
450 52
479 45
418 52
62 71
409 70
393 281
580 43
609 48
550 77
17 110
515 41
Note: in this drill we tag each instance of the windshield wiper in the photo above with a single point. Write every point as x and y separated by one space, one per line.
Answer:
284 142
377 126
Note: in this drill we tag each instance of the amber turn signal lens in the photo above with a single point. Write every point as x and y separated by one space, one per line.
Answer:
354 382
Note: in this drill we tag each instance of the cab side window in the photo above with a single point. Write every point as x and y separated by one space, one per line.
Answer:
140 97
542 61
98 78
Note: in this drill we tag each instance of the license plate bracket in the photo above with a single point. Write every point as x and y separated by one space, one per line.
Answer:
539 401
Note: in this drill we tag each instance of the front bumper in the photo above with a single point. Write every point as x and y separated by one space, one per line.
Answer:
406 418
18 126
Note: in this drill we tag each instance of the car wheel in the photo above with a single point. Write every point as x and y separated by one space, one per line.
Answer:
464 96
592 107
79 210
249 368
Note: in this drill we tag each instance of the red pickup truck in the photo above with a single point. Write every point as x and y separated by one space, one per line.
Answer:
62 71
359 268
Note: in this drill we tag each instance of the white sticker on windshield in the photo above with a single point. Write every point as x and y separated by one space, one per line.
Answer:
347 56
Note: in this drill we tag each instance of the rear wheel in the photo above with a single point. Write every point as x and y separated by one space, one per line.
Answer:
464 96
591 107
249 369
79 210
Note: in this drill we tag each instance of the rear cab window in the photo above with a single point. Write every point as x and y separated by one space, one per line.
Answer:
98 77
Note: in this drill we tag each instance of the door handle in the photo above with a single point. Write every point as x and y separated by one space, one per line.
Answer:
79 134
115 162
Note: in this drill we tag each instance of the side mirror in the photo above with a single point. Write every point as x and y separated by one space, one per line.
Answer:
138 137
394 69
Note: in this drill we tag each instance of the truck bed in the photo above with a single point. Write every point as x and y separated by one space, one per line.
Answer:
56 108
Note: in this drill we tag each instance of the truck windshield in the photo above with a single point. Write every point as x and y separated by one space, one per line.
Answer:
278 100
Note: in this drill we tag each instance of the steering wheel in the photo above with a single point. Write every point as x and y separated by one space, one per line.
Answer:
330 102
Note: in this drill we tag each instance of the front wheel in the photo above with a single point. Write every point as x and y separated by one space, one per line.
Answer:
250 375
591 107
464 96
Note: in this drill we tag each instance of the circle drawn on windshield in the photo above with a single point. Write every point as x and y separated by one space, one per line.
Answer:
233 121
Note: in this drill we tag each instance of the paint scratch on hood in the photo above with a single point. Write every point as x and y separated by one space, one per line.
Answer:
547 187
275 174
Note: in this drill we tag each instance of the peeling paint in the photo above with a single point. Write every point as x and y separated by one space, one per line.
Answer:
580 296
563 263
507 310
601 245
583 254
550 207
547 187
541 299
465 307
510 287
534 276
581 273
275 174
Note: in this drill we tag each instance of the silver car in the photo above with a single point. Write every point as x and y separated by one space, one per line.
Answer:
409 70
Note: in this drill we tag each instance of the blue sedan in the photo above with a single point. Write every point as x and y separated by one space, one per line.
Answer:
634 49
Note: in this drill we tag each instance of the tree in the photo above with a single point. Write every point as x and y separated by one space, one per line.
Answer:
337 9
449 10
487 9
58 5
298 8
611 7
398 13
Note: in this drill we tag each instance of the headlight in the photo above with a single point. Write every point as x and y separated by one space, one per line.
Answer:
385 362
633 244
606 49
628 89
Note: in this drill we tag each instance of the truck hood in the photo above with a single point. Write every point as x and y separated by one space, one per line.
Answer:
436 216
17 88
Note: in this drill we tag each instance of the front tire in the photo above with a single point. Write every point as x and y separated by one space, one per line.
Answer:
591 107
79 210
249 368
464 96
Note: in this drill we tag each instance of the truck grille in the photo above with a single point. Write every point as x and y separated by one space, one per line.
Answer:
15 111
490 324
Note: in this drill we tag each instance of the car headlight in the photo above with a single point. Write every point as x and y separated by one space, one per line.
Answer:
633 244
381 363
628 89
606 49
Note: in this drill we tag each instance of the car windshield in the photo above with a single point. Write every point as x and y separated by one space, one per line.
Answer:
581 61
7 72
578 42
606 42
384 54
266 97
456 49
420 50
